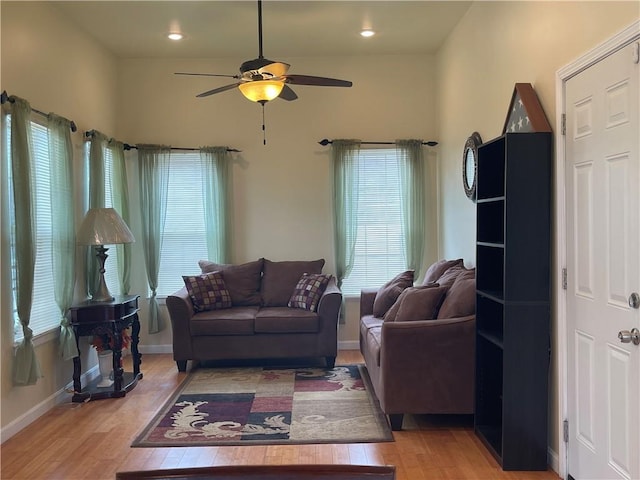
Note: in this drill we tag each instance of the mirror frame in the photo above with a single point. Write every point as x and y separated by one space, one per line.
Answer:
470 147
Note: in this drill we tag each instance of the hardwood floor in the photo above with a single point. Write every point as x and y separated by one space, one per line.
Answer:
92 441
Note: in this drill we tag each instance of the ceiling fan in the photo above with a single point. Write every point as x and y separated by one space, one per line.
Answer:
261 80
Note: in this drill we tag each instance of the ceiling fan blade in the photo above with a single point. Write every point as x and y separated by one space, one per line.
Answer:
288 94
317 81
218 90
205 74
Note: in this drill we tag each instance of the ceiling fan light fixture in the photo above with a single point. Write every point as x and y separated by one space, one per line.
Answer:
261 90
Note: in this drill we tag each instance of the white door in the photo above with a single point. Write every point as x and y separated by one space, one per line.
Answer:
603 266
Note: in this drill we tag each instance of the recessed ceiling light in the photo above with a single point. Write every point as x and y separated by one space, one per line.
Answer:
367 33
175 36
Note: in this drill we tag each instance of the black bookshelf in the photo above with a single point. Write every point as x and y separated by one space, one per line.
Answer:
513 256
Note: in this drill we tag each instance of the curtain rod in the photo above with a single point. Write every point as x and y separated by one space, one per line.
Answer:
324 142
126 146
189 149
4 98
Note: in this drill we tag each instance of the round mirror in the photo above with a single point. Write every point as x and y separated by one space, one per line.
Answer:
470 165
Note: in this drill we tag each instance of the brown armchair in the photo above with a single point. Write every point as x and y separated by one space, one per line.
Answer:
423 366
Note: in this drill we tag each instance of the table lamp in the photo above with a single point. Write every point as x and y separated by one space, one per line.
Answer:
100 227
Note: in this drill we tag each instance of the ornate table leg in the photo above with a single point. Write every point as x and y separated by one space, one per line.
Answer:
135 353
118 371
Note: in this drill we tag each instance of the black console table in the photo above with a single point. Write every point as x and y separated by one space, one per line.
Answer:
90 318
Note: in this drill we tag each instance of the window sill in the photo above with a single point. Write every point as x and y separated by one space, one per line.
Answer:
42 338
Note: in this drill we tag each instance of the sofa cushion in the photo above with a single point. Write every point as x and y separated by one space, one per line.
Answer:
390 291
448 277
231 321
207 292
435 271
461 298
243 281
286 320
280 278
308 291
391 314
420 304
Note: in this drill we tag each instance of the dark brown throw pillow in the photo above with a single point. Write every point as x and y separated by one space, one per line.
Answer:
242 281
391 314
390 291
437 269
448 277
279 279
308 291
461 298
420 304
208 291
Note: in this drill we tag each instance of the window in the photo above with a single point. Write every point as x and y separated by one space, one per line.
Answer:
184 239
111 268
380 246
44 310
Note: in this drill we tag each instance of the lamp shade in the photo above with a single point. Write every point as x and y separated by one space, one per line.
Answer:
103 226
261 90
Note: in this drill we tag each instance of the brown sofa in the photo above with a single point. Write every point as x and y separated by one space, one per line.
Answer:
258 324
418 342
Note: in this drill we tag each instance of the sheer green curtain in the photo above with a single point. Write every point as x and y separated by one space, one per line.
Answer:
216 180
26 365
96 189
413 209
120 199
344 165
153 169
63 249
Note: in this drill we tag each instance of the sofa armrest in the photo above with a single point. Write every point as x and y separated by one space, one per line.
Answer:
367 297
330 303
435 357
180 312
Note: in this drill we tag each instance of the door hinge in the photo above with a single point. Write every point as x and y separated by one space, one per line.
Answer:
565 431
563 124
564 278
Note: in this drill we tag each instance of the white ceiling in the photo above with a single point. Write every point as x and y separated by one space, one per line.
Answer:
229 29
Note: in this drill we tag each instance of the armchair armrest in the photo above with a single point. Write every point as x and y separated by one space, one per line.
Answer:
367 297
180 312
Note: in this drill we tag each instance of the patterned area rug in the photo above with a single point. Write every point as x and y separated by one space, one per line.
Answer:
258 406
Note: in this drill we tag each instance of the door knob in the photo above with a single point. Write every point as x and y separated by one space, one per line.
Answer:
634 300
632 336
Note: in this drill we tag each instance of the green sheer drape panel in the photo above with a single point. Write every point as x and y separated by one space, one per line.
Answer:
63 248
413 208
97 144
216 179
26 366
120 199
345 173
153 169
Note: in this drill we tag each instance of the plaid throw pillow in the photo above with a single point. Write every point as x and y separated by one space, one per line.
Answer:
208 291
308 291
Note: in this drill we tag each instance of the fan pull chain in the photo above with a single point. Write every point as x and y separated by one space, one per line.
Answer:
264 135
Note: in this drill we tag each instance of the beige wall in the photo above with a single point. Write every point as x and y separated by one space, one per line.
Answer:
57 69
281 190
496 45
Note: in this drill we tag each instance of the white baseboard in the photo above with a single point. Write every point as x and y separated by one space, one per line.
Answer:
349 345
151 349
553 460
61 396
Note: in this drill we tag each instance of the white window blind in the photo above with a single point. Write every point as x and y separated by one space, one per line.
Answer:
380 244
184 239
111 265
45 315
